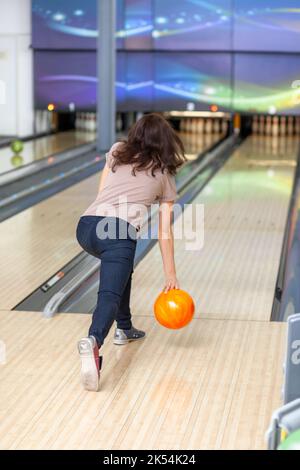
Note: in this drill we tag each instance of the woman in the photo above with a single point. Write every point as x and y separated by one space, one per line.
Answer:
139 171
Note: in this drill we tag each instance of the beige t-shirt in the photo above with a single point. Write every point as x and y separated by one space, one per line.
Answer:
130 197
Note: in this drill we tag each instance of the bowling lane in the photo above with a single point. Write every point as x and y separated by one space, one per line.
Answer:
43 236
37 242
202 387
233 276
42 147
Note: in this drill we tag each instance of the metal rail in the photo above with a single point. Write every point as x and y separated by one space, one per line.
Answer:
50 182
39 165
54 303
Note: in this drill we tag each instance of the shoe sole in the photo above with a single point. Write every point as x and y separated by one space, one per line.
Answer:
121 342
89 373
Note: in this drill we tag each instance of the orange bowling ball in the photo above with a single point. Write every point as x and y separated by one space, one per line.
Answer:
174 309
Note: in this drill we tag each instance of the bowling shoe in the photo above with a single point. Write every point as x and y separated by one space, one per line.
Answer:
126 336
91 363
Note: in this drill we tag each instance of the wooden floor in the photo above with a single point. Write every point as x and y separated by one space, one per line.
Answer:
39 241
213 385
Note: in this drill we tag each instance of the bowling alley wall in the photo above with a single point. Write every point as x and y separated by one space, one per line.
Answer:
16 69
237 54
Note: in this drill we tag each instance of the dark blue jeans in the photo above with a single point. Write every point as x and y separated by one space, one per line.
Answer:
117 258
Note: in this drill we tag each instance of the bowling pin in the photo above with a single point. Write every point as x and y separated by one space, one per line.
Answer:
194 126
94 124
282 127
290 126
87 122
82 122
45 121
200 126
119 123
255 124
275 126
36 122
268 130
216 127
187 124
224 126
91 123
208 126
49 120
78 121
261 129
297 127
40 122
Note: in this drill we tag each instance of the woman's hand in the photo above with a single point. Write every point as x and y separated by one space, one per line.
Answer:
171 282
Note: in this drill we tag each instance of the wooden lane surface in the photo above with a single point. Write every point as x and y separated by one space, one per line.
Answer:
212 385
233 275
39 241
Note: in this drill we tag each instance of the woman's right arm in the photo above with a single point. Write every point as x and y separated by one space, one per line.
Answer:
166 244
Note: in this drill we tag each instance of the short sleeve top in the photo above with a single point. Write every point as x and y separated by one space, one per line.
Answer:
131 194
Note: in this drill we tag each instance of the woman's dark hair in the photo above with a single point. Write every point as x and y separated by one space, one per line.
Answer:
152 144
